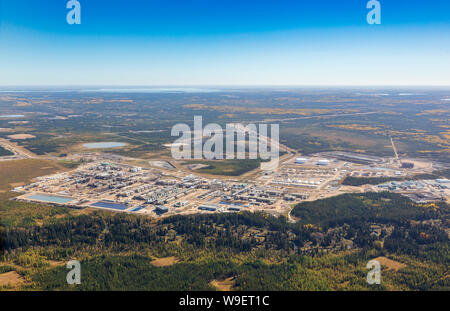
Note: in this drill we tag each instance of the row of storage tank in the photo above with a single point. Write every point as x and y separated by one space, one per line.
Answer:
304 160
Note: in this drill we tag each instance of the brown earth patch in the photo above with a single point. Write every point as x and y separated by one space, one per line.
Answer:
18 122
23 171
17 184
21 136
223 285
164 262
11 278
22 105
390 264
54 263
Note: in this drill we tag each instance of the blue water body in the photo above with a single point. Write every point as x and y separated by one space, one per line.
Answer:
154 90
116 206
49 198
137 209
12 116
103 145
230 203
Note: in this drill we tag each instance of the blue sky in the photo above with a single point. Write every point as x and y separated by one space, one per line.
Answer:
217 42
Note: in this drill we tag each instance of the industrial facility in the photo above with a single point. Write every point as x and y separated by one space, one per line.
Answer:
107 182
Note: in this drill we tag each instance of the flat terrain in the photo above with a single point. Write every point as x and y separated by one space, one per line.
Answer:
390 264
21 136
13 172
164 262
11 278
224 285
19 172
225 167
311 120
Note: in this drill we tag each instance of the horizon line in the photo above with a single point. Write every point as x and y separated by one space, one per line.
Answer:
218 85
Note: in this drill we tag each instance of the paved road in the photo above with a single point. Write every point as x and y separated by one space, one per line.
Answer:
17 150
395 149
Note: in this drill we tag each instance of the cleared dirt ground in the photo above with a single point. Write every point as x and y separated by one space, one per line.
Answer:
164 262
390 264
11 278
223 285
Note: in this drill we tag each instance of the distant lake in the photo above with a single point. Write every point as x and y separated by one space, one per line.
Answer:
12 116
104 145
154 90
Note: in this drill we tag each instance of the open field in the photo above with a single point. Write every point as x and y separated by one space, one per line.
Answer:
24 170
11 278
15 173
390 264
20 136
164 262
225 167
224 285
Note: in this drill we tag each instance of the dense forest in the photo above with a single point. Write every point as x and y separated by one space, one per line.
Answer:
359 181
326 249
5 152
384 207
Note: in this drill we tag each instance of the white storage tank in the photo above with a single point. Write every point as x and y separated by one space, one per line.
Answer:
323 162
301 160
